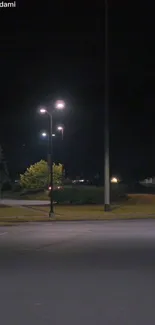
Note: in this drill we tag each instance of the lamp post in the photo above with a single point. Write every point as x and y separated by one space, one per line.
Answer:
106 121
59 105
61 129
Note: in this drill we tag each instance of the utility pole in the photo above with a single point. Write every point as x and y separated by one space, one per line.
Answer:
106 120
1 157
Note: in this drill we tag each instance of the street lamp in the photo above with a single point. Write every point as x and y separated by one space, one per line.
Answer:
61 129
106 120
59 105
45 135
43 110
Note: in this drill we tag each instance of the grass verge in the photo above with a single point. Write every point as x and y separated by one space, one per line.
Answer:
96 212
14 215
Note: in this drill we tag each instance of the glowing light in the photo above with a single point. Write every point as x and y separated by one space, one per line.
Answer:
60 104
44 134
60 128
43 110
114 180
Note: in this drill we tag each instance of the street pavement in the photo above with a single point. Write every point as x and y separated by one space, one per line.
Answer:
12 202
78 273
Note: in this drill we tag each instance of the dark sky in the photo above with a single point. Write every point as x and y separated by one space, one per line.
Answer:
49 52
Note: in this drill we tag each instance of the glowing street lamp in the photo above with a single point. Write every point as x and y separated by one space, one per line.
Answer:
59 105
61 129
43 110
44 134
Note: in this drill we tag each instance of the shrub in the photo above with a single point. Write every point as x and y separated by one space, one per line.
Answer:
37 176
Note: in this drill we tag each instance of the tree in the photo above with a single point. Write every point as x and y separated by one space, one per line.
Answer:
4 174
37 175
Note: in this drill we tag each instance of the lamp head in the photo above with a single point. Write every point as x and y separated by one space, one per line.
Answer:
43 110
60 104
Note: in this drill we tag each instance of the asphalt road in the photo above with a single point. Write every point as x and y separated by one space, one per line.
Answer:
78 273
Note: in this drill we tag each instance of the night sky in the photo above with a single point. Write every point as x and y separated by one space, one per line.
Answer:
51 52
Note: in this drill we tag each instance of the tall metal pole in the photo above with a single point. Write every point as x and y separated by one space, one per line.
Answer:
62 163
51 213
1 154
106 121
62 133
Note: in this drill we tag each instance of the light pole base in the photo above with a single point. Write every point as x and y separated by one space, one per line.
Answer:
107 207
51 215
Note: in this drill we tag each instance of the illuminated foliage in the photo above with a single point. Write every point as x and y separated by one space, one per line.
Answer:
37 175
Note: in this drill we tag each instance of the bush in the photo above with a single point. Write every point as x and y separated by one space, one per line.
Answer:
37 176
86 195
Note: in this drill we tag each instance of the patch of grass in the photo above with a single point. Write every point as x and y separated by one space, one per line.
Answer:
97 211
16 212
13 215
140 199
15 220
138 208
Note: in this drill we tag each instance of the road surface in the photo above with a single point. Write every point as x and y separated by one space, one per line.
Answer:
12 202
95 273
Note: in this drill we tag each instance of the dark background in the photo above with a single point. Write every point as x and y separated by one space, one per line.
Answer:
49 52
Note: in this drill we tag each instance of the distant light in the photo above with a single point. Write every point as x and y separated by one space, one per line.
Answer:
57 187
60 104
43 110
60 128
114 180
81 180
44 134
